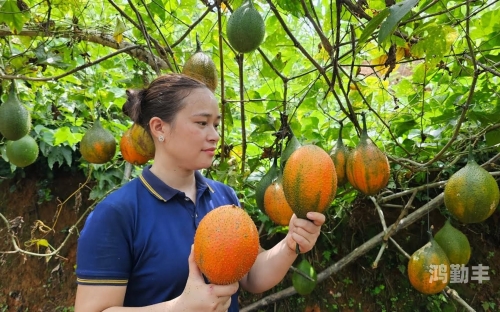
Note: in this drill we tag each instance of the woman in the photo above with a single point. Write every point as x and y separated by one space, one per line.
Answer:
135 250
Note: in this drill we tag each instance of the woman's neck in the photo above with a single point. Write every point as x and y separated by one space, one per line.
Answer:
177 178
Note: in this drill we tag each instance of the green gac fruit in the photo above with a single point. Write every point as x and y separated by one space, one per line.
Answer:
15 119
22 152
454 243
245 28
98 145
303 285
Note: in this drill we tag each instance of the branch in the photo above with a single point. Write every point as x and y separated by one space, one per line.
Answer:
74 70
355 254
90 36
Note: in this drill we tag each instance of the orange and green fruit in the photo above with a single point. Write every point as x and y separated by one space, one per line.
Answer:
266 180
367 167
302 285
98 145
15 119
129 152
142 141
245 28
339 156
226 244
454 243
275 205
471 194
22 152
309 180
422 269
201 67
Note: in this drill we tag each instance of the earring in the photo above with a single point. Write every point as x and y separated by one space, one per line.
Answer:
161 138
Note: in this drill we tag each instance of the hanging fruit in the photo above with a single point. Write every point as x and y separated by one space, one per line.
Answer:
454 243
201 67
302 285
367 167
339 156
266 180
291 145
309 180
98 145
22 152
471 194
275 205
429 268
245 28
15 119
142 141
129 152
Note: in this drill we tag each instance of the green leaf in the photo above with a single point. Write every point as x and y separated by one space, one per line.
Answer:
371 26
291 6
64 135
59 154
12 16
397 12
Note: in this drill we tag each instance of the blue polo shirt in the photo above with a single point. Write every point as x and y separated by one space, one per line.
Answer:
141 235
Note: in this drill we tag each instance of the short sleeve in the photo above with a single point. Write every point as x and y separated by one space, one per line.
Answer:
104 252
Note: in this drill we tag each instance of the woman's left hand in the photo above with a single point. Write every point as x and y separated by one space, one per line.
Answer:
304 232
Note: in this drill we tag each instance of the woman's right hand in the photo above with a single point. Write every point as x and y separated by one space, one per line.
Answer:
200 296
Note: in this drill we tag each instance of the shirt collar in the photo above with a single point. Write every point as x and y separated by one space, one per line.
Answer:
164 192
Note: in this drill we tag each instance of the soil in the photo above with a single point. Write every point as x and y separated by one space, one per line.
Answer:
48 208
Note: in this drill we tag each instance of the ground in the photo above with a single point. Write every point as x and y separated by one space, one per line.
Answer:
30 283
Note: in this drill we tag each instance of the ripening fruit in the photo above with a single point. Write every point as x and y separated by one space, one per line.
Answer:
422 269
339 156
201 67
309 180
142 141
226 244
266 180
302 285
367 167
98 145
275 205
471 194
129 152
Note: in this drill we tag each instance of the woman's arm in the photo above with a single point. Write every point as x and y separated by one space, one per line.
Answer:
197 296
271 265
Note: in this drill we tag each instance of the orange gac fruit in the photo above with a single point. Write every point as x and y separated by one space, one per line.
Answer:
275 204
367 167
142 141
429 269
226 244
309 180
129 152
98 145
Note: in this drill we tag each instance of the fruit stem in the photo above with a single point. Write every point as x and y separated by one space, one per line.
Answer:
198 44
364 132
470 156
340 142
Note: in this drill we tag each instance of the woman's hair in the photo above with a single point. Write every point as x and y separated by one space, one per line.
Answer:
163 98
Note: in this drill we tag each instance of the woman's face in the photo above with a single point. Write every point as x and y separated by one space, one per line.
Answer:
191 140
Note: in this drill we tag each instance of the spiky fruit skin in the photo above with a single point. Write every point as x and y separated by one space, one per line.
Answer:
454 243
309 180
302 285
98 145
275 205
245 28
471 194
419 268
367 167
226 244
201 67
22 152
142 141
15 119
129 152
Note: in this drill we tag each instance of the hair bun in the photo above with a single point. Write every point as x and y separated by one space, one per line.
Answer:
132 107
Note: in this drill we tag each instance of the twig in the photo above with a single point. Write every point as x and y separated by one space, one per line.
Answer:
384 227
401 215
292 268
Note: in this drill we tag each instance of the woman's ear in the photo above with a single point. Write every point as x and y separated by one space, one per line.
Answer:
156 126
